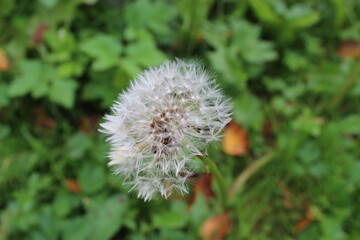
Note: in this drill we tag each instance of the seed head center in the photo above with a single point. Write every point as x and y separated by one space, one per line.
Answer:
163 129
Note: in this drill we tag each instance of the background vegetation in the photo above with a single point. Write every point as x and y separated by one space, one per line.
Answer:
291 68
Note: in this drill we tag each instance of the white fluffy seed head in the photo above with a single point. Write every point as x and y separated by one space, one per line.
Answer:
167 116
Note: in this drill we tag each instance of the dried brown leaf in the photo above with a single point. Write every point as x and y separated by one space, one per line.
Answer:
235 141
349 49
216 228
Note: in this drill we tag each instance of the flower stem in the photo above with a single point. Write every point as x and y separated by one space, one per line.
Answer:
218 176
248 172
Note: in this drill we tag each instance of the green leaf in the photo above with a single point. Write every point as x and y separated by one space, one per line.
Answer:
339 7
295 61
247 111
92 178
226 63
149 15
307 123
62 91
144 50
77 145
64 203
174 218
309 152
332 229
247 41
62 43
49 224
105 92
48 3
31 73
105 49
100 223
40 79
237 44
69 69
199 210
348 125
304 21
264 12
130 67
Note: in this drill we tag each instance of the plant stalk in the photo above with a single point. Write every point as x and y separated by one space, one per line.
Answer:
248 172
218 176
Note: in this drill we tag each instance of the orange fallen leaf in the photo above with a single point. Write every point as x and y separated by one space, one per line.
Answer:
216 228
202 184
235 141
305 221
349 49
4 61
73 185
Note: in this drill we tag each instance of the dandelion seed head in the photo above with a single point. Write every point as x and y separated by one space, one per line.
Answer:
167 116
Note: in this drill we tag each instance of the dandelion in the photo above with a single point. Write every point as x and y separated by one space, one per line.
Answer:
168 116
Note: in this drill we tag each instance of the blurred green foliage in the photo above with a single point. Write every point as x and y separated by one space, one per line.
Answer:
292 89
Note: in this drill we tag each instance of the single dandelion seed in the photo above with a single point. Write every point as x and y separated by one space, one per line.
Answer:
167 117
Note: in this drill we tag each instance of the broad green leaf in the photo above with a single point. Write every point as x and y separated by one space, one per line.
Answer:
31 73
174 218
100 223
228 66
304 21
77 145
264 12
69 69
48 3
247 41
149 15
130 67
15 167
64 203
144 50
307 123
194 15
238 43
49 224
105 92
347 125
105 50
295 61
247 111
199 210
145 54
40 79
62 91
62 43
92 178
309 152
339 7
332 229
